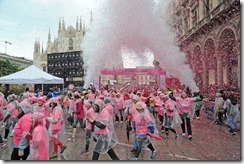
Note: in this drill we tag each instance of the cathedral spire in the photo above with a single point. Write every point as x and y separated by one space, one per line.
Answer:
49 36
84 28
81 24
42 48
63 25
59 25
77 24
37 46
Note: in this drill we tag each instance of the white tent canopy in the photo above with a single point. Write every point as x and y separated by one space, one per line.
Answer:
31 75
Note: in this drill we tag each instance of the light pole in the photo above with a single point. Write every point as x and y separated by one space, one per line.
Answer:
6 42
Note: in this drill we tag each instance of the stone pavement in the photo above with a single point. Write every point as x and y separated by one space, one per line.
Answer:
210 142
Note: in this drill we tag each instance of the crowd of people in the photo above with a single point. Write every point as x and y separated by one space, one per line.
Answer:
36 122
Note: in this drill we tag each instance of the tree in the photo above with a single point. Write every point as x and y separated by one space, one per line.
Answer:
7 67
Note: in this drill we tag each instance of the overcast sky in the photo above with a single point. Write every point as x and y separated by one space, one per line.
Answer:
21 21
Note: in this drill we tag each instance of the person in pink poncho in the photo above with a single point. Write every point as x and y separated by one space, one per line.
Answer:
144 126
47 107
119 101
10 118
41 108
185 111
130 113
20 142
104 133
78 114
108 106
89 115
159 104
39 138
56 120
33 102
3 104
171 117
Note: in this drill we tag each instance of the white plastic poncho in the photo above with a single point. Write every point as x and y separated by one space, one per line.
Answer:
105 138
39 144
144 122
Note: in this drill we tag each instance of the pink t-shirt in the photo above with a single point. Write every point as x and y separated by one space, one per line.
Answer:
48 110
171 107
40 135
42 110
133 110
170 103
184 104
109 108
141 120
13 110
159 103
127 103
90 96
1 103
103 116
119 103
23 125
89 114
57 115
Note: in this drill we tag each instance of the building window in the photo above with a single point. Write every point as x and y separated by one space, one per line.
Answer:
44 68
186 23
194 17
207 7
71 44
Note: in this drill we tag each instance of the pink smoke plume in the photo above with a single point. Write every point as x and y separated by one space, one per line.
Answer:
138 26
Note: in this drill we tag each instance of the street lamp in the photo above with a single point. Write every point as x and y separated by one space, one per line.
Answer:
6 42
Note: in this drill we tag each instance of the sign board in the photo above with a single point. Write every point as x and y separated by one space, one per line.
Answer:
71 86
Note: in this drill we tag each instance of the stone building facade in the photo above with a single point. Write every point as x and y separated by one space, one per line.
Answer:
208 31
69 39
20 61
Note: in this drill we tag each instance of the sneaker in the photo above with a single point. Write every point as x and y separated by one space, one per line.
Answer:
133 158
176 135
85 151
190 137
63 148
116 121
198 118
3 144
133 150
154 153
5 139
73 138
183 134
162 131
234 133
69 127
53 155
121 122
